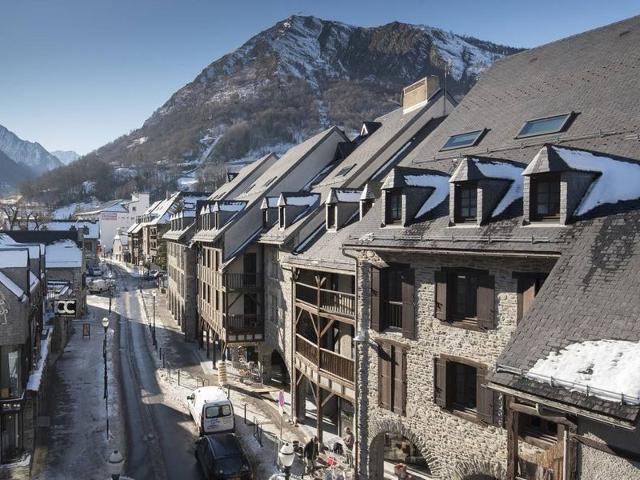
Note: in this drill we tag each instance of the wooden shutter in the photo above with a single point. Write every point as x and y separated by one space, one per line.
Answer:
441 280
384 376
486 398
486 301
440 381
408 310
375 299
526 294
399 380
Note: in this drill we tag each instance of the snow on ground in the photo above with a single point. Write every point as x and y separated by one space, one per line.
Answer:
506 171
36 375
606 369
138 141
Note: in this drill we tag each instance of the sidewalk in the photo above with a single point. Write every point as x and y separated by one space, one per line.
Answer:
186 357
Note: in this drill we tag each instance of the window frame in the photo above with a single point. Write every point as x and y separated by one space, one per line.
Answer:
568 117
459 189
479 134
332 216
393 194
534 184
470 294
533 435
281 217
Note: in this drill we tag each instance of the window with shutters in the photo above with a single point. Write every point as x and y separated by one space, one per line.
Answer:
392 378
529 285
460 387
465 202
465 298
545 197
392 300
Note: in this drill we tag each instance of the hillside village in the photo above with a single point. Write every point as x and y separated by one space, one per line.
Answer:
449 291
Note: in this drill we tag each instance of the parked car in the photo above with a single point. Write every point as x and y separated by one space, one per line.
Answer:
211 410
221 457
99 285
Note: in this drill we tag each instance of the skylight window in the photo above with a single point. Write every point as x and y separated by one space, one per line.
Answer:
468 139
345 170
269 182
543 126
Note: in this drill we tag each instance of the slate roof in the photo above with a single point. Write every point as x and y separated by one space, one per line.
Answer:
63 225
591 292
240 183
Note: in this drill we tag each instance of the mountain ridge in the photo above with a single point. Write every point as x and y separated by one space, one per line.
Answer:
30 154
284 84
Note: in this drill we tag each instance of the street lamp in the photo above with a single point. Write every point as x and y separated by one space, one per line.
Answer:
286 456
115 464
105 325
155 342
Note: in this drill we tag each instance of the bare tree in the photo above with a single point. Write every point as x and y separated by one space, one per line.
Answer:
11 212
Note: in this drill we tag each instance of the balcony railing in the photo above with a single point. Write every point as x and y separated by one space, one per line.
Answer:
329 361
330 301
242 324
393 314
240 281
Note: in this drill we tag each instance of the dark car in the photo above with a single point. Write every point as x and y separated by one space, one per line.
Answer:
221 458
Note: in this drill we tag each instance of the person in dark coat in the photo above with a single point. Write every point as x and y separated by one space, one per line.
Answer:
311 452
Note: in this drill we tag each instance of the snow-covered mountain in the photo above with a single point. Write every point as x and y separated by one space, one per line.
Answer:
66 156
283 85
30 154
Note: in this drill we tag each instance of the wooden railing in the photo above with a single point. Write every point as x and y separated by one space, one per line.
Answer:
239 281
243 323
336 364
331 301
393 314
307 349
306 293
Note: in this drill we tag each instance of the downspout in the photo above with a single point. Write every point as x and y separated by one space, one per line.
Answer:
356 405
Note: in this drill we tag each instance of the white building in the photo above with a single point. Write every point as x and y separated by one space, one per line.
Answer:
115 215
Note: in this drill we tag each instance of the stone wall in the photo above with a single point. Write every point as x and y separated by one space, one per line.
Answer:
455 447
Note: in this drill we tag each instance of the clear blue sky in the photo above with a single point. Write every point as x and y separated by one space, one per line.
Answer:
75 74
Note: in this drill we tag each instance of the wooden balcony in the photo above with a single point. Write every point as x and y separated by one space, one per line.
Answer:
341 304
243 327
239 281
325 360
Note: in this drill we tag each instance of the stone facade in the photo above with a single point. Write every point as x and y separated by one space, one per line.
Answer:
453 446
181 292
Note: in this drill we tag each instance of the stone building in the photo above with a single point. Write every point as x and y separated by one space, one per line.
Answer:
120 247
500 247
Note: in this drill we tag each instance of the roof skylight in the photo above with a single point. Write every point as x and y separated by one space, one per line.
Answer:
345 170
461 140
543 126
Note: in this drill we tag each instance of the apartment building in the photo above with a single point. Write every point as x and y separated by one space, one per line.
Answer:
495 269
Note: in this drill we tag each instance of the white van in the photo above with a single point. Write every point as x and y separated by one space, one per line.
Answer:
211 410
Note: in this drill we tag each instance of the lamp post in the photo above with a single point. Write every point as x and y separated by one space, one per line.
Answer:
105 325
115 464
286 456
155 342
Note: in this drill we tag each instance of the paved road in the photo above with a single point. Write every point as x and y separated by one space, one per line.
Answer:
160 443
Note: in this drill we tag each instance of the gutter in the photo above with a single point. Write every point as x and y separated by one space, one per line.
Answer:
449 251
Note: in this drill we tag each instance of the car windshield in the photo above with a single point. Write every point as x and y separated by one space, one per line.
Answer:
218 411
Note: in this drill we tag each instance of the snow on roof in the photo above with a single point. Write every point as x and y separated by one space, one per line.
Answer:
345 195
135 228
269 202
35 249
607 369
367 193
63 226
63 254
228 206
507 171
440 184
295 199
619 180
14 257
33 281
12 287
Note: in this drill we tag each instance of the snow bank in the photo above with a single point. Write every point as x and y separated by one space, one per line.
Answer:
506 171
439 182
619 181
607 369
36 375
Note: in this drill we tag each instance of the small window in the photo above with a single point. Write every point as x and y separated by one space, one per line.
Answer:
345 170
331 216
281 217
265 218
466 202
463 383
537 431
462 140
218 411
545 197
465 289
543 126
394 207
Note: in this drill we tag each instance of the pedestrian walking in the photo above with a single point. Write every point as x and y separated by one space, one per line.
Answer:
311 452
349 441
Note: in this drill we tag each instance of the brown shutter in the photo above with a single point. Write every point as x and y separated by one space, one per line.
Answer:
485 398
408 299
375 299
486 301
440 381
384 376
399 381
526 294
441 279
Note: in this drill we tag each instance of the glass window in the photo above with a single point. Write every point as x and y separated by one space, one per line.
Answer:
542 126
345 170
465 290
11 382
217 411
466 201
394 206
331 216
462 140
281 217
545 197
464 386
269 182
11 436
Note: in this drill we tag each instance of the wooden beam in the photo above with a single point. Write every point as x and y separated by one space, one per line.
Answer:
512 440
327 327
606 448
329 397
529 410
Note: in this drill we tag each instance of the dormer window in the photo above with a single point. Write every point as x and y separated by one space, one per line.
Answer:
545 197
466 202
332 216
265 218
394 206
281 222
